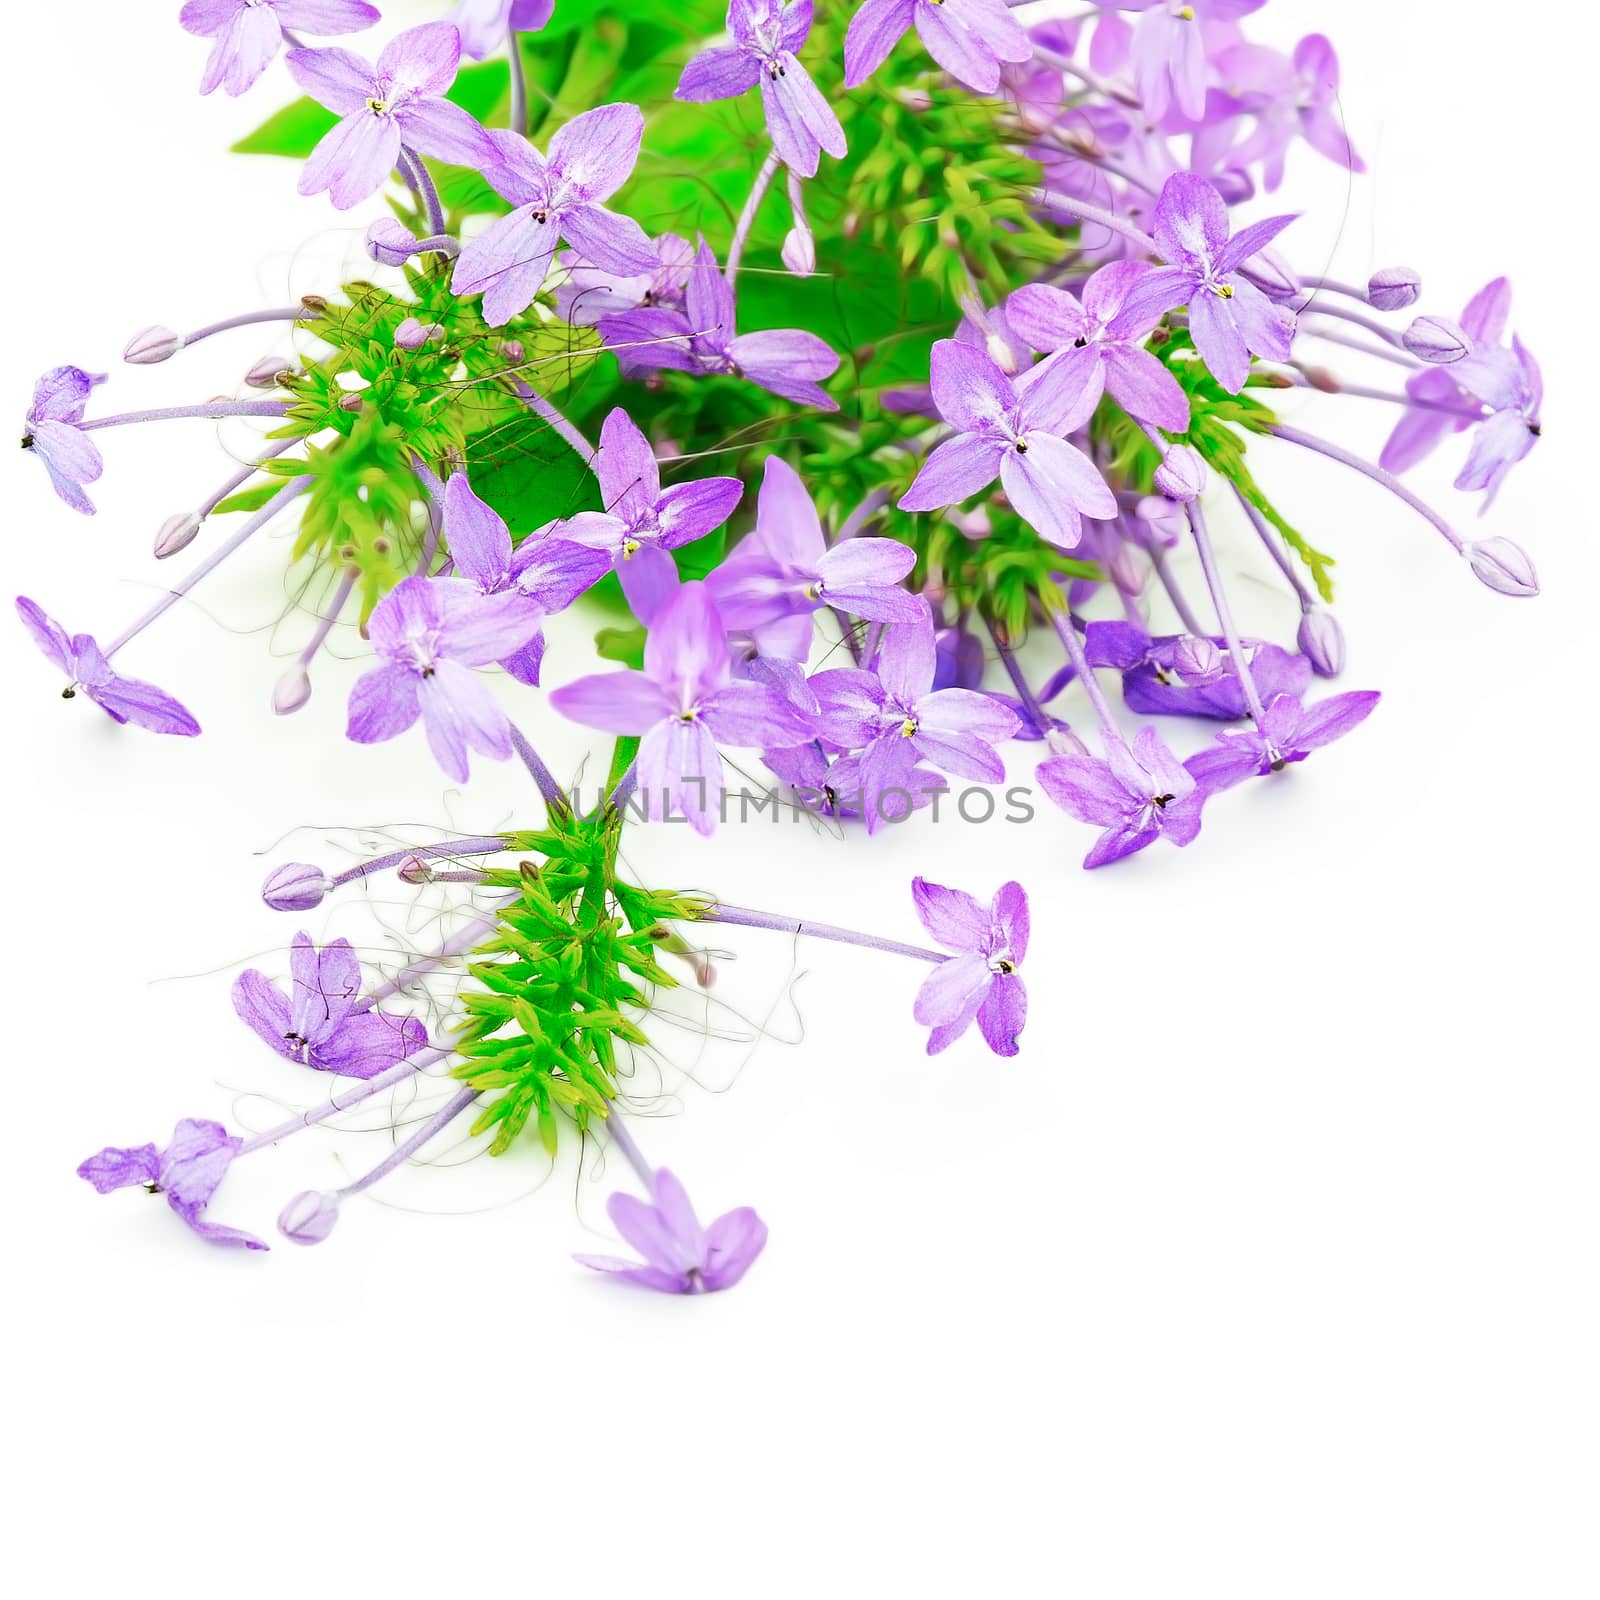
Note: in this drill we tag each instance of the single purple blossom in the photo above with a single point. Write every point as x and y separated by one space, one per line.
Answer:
1289 732
968 38
50 431
1510 384
556 197
485 24
1011 431
1168 50
1138 794
548 570
767 36
684 703
701 338
187 1172
980 981
400 101
680 1257
643 523
784 571
588 292
429 633
122 699
1099 341
322 1025
1229 317
246 34
1288 96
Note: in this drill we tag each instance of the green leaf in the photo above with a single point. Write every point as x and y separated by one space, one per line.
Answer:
293 131
247 499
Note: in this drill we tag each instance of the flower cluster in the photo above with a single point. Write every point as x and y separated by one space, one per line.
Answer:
990 372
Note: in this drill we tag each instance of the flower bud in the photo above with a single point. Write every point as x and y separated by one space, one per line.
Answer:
295 886
176 533
1504 567
415 870
390 243
412 335
513 351
1437 340
151 345
351 402
1321 642
1162 524
1182 474
1124 568
1064 742
1393 289
1267 270
800 251
309 1217
1196 660
267 373
292 690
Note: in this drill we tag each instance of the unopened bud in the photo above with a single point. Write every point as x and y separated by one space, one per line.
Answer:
412 335
415 870
512 350
1271 275
309 1217
1321 642
176 533
1504 567
267 373
316 303
1393 289
1164 525
1196 660
391 243
800 251
151 345
291 691
1437 340
1182 474
295 886
351 402
1064 742
1125 569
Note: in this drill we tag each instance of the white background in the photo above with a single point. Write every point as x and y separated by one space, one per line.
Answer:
1266 1270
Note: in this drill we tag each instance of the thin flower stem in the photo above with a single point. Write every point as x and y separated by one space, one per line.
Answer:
1275 548
747 217
1219 599
862 515
1333 286
239 479
1355 318
554 796
1301 380
326 621
435 1125
1310 441
441 244
276 504
546 412
1092 81
1055 606
738 916
212 411
487 845
398 1073
624 1141
244 320
1169 582
1037 714
623 789
427 189
519 84
1107 219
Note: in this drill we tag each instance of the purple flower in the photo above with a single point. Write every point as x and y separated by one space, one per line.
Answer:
1288 97
784 571
767 34
428 633
980 981
548 572
398 102
643 523
1419 432
589 292
701 338
968 38
682 705
324 1026
1289 732
1138 795
680 1257
187 1172
1169 51
484 24
556 198
1510 384
122 699
71 458
1011 430
1099 342
1229 317
246 34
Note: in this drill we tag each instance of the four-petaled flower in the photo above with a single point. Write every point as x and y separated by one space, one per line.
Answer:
247 34
680 1257
1287 96
1013 431
122 699
1289 732
643 523
980 980
767 36
1138 795
324 1025
398 102
968 38
682 705
1168 50
587 292
50 431
429 633
187 1172
556 197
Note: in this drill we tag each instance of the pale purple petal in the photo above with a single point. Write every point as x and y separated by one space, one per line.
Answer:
423 60
629 479
46 632
1191 220
508 263
954 471
789 362
262 1007
626 703
875 29
1003 1013
953 990
337 79
689 511
1219 341
611 241
595 154
732 1244
1145 389
479 541
718 75
459 713
649 579
114 1168
441 129
368 1043
352 159
952 916
383 704
972 393
476 629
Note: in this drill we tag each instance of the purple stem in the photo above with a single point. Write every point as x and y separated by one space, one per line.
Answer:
554 797
1180 603
239 479
213 410
426 188
1219 599
1106 219
244 320
1056 608
436 1124
738 916
276 504
543 409
326 621
623 1140
747 217
1309 441
1037 714
1275 549
862 515
519 84
1362 392
1376 329
488 845
1383 353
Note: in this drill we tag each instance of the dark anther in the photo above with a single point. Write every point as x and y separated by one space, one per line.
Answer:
27 441
69 693
1279 764
1022 447
1078 344
1162 801
541 216
1536 429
